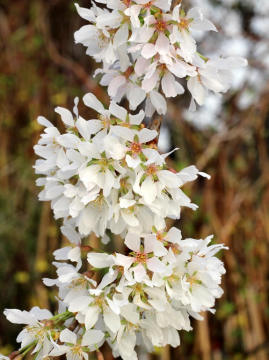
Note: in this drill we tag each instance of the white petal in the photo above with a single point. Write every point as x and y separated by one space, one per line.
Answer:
74 254
91 317
146 135
169 85
155 246
149 190
123 132
91 101
70 233
68 336
66 116
115 84
121 35
100 260
130 218
92 337
85 13
111 320
69 141
136 96
44 122
162 44
125 261
174 235
158 102
132 241
79 303
118 111
139 273
19 317
137 118
155 265
148 51
197 90
126 203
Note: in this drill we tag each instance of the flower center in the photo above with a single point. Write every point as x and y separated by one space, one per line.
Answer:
184 23
136 148
127 3
152 169
160 25
141 258
76 350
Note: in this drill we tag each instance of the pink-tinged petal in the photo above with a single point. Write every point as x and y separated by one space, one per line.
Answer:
132 241
197 90
169 85
158 101
141 66
179 88
155 265
115 84
149 83
162 44
139 273
148 51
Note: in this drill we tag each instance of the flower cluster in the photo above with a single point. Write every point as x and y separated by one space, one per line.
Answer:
144 297
105 176
147 48
107 173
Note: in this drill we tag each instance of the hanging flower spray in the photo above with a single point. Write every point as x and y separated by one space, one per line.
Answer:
105 176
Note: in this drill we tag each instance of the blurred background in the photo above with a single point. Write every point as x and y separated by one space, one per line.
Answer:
40 68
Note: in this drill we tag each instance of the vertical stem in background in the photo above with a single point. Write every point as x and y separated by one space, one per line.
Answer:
204 338
166 353
156 124
258 335
4 160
